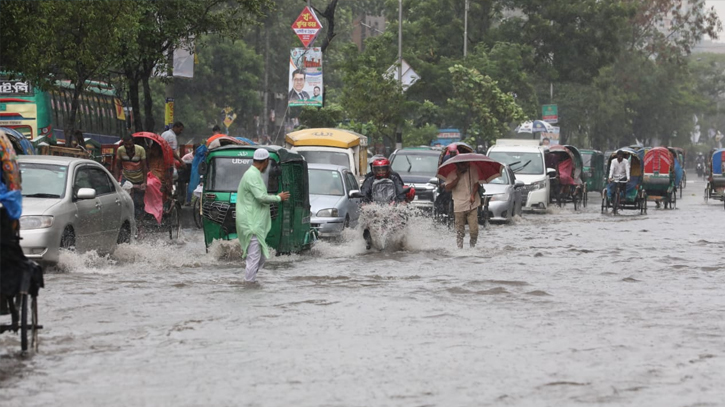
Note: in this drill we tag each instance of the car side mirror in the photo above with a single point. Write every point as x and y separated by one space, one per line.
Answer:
550 172
202 168
86 193
519 184
434 181
355 193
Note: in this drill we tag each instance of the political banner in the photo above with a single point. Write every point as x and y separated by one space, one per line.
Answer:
305 77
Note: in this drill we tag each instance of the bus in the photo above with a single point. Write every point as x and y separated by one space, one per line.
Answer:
41 115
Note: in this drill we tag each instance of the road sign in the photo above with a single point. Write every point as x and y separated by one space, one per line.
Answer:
307 26
409 75
550 113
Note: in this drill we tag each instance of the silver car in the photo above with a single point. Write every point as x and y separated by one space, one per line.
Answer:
334 208
71 203
504 195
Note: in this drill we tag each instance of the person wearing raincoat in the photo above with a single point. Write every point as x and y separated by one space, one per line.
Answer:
253 217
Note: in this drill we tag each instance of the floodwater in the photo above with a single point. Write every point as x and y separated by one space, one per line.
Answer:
558 309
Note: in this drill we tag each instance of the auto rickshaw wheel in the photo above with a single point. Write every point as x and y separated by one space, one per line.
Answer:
673 203
585 195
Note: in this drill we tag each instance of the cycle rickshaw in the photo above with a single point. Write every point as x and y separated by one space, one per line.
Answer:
626 196
164 214
567 160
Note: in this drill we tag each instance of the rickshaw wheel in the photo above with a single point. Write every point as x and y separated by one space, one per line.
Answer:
196 208
645 203
34 321
707 192
682 186
585 195
174 223
24 322
673 202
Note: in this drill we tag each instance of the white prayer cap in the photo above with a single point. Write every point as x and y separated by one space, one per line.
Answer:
261 154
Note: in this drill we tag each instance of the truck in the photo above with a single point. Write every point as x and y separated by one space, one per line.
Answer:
331 146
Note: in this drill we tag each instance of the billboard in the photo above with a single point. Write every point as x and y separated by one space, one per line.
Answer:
305 77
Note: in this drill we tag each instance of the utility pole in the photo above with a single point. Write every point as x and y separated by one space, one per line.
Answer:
399 130
265 111
169 91
465 30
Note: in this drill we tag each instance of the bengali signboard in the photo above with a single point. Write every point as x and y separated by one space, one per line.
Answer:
17 88
307 26
550 113
305 77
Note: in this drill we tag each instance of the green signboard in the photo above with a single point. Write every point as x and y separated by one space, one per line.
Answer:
550 113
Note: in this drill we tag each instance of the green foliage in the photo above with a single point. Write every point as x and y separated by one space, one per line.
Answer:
484 110
419 136
329 116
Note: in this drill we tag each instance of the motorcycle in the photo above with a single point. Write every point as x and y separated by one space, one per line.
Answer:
383 220
700 168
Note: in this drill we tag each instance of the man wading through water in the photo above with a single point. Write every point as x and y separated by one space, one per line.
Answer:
253 217
464 187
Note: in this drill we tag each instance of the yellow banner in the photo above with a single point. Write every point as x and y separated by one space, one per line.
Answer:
169 116
120 113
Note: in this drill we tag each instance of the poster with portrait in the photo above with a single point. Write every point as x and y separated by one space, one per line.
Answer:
305 77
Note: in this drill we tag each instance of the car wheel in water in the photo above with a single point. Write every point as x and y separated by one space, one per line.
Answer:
68 239
124 235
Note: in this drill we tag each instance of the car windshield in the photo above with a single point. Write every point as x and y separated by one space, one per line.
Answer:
326 182
587 159
520 163
43 180
503 179
326 157
226 172
418 163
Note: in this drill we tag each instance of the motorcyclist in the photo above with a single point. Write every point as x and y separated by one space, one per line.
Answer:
381 185
700 164
380 171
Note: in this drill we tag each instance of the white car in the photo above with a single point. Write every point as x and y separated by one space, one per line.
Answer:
333 198
527 160
71 203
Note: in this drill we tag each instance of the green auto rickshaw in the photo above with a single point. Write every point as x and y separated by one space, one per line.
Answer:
594 169
222 169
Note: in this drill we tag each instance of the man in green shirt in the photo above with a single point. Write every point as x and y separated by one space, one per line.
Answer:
253 217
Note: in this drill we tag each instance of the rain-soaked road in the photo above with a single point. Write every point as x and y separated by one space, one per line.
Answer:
558 309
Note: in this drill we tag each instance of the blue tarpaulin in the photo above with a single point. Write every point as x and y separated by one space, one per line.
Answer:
195 178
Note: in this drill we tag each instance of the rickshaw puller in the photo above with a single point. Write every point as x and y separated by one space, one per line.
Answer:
619 169
253 216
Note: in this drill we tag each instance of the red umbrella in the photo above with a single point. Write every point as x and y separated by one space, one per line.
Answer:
487 168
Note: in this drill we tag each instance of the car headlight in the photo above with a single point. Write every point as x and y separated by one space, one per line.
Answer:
499 197
327 213
36 222
538 185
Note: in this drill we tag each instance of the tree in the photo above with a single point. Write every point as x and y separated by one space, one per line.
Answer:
167 25
484 111
46 41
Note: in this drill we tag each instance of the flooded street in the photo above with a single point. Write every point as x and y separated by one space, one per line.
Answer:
563 308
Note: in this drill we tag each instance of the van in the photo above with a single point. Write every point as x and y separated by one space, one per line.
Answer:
528 161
